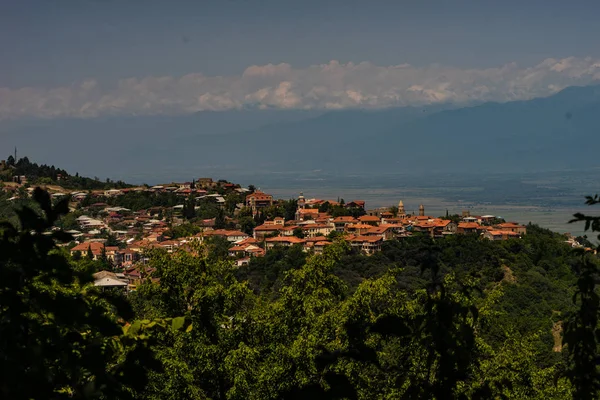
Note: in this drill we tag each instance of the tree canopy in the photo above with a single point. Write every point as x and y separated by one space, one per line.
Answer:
450 318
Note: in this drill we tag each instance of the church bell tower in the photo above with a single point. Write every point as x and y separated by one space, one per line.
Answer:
401 212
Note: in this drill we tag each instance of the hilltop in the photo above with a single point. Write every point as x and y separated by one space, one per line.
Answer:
23 171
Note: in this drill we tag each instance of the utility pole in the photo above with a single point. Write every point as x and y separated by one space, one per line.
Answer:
15 153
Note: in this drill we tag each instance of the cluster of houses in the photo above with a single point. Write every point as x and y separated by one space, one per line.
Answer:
198 188
313 228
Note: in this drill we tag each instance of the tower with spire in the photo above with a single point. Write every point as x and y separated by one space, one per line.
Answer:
401 212
422 210
301 201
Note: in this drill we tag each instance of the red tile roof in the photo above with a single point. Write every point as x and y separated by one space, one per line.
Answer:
94 246
269 227
224 232
370 239
503 233
281 239
378 229
344 219
369 218
468 225
259 196
316 239
510 225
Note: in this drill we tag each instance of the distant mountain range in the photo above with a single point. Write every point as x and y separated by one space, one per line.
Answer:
554 133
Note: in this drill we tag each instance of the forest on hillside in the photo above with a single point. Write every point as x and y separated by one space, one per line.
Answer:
451 318
43 174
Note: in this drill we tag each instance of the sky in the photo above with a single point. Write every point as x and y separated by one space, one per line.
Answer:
90 58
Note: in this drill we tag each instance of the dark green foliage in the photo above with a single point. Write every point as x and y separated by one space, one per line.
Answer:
247 224
267 272
341 211
283 209
582 332
325 207
208 208
45 174
59 338
189 211
451 318
299 233
182 231
232 200
218 247
289 209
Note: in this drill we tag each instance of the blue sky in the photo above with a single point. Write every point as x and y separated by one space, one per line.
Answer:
57 44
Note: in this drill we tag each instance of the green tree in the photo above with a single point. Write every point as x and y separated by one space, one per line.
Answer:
298 232
189 208
247 224
89 254
287 336
325 207
582 332
289 209
217 247
217 306
232 200
183 230
220 220
60 337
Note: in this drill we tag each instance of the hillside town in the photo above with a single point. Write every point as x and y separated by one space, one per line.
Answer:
313 226
247 221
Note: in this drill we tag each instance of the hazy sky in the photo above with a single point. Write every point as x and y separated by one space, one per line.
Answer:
87 58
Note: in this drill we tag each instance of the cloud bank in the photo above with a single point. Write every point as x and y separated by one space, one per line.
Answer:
326 86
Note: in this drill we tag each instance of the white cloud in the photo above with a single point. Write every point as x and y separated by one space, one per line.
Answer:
328 86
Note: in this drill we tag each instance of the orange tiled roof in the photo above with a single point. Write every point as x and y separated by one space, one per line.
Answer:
315 226
510 225
369 218
224 232
258 195
249 240
95 246
502 233
469 225
310 211
442 222
360 203
269 227
359 226
344 219
370 239
379 229
289 239
425 225
316 239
